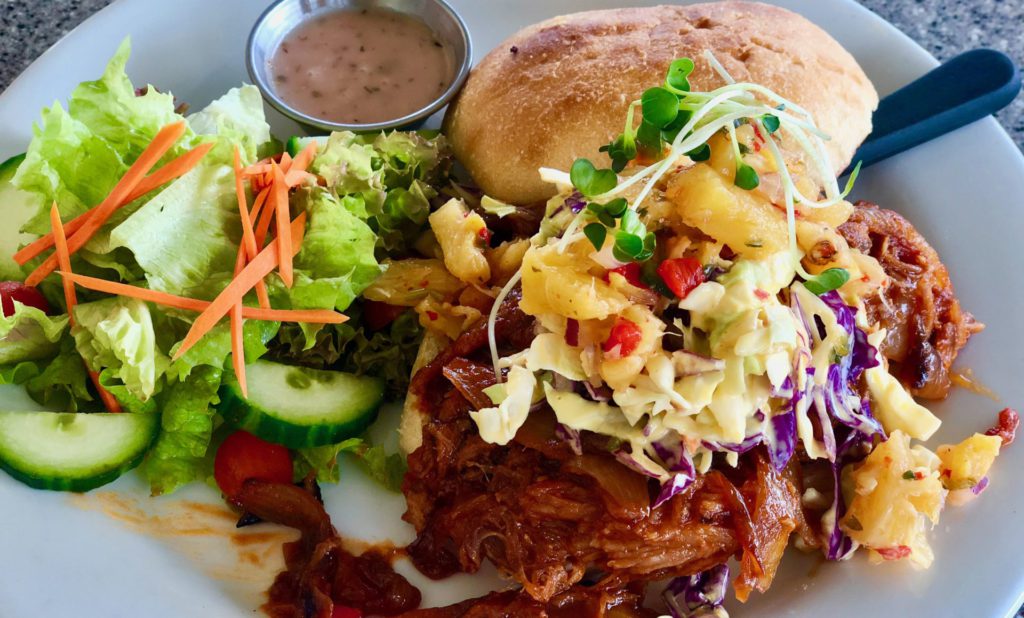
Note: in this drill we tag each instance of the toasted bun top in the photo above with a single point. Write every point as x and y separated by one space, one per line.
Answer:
560 89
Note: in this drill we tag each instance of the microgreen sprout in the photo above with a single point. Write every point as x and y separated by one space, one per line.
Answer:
660 106
589 180
678 72
633 243
827 280
746 177
700 153
596 233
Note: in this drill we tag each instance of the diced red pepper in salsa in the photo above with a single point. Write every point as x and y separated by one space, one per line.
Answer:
681 275
630 272
625 336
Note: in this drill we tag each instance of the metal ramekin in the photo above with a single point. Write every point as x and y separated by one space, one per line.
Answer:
284 15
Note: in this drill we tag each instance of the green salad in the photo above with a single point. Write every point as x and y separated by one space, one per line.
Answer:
139 277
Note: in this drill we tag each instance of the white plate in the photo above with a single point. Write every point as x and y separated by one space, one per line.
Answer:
962 191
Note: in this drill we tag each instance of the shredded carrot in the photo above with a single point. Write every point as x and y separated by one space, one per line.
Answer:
285 163
70 298
248 245
305 157
256 270
294 179
283 216
256 169
163 141
297 173
266 216
257 209
174 169
312 316
237 347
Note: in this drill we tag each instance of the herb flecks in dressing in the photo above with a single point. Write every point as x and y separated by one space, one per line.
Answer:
361 67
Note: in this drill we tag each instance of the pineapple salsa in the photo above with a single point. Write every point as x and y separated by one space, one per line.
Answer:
689 311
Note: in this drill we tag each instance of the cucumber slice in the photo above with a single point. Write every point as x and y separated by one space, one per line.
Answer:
73 451
16 207
295 144
300 407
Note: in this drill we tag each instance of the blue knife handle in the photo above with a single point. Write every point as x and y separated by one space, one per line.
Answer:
964 89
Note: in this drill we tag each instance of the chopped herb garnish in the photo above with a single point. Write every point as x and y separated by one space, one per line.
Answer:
909 475
826 281
770 122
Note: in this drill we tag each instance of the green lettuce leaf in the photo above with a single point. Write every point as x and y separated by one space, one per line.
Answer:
117 334
386 179
63 382
186 424
215 347
336 262
186 237
76 156
385 468
29 334
237 119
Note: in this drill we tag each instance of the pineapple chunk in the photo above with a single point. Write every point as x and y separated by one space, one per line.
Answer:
459 232
965 464
832 216
560 282
407 282
896 492
505 260
446 318
742 219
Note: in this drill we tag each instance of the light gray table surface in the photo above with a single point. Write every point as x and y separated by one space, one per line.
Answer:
943 27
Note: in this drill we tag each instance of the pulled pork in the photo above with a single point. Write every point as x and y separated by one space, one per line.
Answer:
320 572
552 519
919 308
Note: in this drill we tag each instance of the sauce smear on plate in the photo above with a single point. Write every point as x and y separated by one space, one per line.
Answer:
360 67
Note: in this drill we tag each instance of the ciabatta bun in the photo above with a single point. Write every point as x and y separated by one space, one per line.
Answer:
559 89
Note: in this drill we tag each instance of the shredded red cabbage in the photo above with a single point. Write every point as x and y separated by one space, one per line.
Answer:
742 447
698 595
677 461
575 202
839 545
570 436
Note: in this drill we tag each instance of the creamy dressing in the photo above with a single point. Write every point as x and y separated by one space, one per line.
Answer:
361 66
